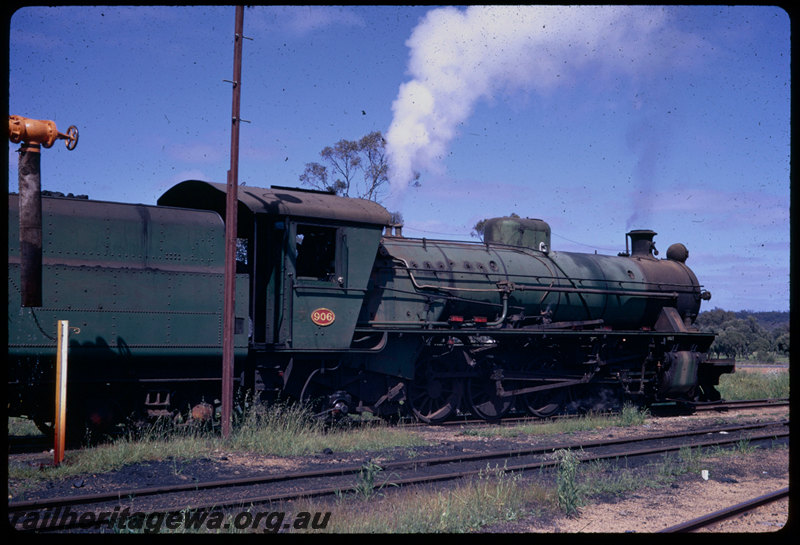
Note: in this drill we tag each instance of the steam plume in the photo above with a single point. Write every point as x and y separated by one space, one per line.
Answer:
458 57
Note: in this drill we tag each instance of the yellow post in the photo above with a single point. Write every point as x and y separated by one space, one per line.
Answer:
59 424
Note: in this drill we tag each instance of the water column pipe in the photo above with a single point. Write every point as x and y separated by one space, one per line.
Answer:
33 134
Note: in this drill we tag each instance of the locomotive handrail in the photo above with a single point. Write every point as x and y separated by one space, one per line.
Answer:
653 294
326 287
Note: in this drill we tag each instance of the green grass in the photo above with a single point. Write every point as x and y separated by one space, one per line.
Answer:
492 496
22 427
277 430
628 416
569 497
153 444
755 385
291 430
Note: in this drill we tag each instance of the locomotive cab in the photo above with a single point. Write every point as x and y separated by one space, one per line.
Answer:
308 255
325 272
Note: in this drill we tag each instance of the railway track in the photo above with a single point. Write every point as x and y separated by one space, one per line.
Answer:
728 512
233 493
741 404
670 410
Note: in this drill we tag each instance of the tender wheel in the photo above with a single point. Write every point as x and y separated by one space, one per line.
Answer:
435 394
484 400
546 402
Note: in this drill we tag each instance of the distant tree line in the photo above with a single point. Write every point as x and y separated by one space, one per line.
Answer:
745 334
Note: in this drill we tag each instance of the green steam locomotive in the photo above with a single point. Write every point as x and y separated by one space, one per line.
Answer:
335 307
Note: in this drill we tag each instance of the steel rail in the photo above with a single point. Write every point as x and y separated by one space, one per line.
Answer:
728 512
513 420
740 404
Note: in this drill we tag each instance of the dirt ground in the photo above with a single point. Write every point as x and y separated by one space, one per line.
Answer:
655 510
731 480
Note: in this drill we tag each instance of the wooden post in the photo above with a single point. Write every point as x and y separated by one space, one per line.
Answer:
59 424
231 208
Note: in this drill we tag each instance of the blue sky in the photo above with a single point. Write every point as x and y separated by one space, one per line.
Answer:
598 120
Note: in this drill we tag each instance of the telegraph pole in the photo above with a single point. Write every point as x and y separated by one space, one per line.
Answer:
231 205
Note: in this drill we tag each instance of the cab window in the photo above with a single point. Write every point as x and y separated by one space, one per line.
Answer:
316 252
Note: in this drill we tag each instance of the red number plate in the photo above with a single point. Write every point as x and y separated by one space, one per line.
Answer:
323 316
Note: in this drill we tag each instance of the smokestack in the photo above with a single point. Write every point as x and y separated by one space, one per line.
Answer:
642 244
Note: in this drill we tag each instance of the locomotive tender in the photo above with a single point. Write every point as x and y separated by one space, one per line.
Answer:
335 307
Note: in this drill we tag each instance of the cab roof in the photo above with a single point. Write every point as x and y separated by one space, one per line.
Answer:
279 201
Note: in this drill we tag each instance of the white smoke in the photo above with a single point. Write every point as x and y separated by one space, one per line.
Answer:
458 57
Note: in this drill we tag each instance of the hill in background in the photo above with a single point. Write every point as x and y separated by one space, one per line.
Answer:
768 320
